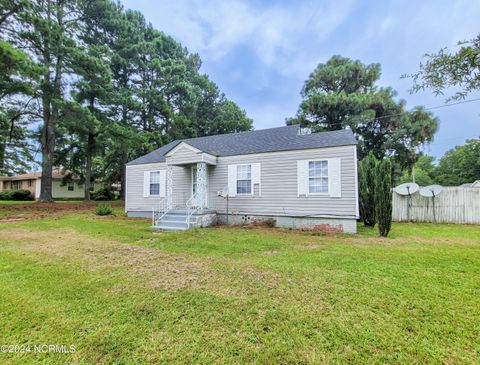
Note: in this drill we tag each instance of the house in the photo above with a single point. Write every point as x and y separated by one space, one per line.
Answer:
475 184
299 179
32 182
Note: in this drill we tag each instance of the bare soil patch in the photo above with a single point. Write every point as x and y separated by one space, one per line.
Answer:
153 267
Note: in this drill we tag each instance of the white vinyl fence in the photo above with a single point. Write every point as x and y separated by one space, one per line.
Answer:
452 205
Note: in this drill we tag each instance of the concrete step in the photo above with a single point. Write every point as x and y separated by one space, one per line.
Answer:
169 228
178 218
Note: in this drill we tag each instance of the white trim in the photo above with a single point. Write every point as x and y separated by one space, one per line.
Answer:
153 164
159 195
355 160
328 175
126 192
182 145
236 180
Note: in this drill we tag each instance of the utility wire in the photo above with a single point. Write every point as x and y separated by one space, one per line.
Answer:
400 114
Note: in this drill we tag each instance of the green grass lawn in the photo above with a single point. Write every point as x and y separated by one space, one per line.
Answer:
11 202
121 293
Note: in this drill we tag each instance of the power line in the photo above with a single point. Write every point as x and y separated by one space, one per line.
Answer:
423 109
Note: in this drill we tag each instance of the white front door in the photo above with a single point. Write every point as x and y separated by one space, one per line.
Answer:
194 186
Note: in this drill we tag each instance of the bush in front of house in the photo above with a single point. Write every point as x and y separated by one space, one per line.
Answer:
270 222
104 210
21 194
102 194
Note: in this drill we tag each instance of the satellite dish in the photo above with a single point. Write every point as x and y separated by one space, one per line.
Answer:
406 189
223 193
431 191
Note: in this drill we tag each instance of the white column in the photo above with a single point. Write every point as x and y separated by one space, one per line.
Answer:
169 187
202 185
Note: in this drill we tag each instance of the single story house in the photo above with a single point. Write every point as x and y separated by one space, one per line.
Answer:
32 182
299 179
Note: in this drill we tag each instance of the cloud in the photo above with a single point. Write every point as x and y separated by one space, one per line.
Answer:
215 28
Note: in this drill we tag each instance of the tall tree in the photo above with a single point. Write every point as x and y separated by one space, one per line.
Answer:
444 69
46 30
383 196
366 182
343 93
460 165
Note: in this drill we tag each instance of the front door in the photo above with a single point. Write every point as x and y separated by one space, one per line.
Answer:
194 186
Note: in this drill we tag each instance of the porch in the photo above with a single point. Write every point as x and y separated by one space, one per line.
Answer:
185 205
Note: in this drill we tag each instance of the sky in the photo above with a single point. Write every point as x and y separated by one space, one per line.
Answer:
260 53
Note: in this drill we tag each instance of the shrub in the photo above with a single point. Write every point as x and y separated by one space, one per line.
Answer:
104 210
102 194
383 196
270 222
6 195
21 194
366 182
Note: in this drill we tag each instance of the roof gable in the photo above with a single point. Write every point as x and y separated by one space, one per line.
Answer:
180 146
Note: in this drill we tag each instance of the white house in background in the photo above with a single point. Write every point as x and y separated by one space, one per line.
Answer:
32 182
299 179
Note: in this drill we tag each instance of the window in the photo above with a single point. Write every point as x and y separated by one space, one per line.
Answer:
244 179
155 183
70 186
318 177
30 183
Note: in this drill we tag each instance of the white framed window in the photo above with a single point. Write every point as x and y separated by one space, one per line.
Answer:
154 182
70 186
318 177
244 179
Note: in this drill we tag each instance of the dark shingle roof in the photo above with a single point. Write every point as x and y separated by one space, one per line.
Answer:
264 140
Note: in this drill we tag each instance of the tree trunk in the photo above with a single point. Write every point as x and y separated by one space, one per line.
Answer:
88 165
52 93
48 146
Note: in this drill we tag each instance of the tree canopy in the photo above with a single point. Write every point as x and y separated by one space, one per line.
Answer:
460 164
443 70
343 93
102 85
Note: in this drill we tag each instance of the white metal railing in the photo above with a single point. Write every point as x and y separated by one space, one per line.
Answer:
190 208
159 211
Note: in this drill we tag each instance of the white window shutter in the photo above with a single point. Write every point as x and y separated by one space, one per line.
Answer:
146 184
302 177
256 177
232 180
335 177
163 183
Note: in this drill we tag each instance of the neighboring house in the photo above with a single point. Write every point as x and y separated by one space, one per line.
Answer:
301 180
32 182
476 184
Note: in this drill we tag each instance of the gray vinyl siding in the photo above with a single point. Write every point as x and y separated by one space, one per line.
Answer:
185 155
135 201
278 184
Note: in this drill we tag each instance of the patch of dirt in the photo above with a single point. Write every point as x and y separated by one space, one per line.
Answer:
154 268
22 217
21 212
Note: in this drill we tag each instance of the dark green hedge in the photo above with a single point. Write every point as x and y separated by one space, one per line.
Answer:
21 194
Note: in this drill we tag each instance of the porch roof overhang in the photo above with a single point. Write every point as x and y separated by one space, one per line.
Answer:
186 154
